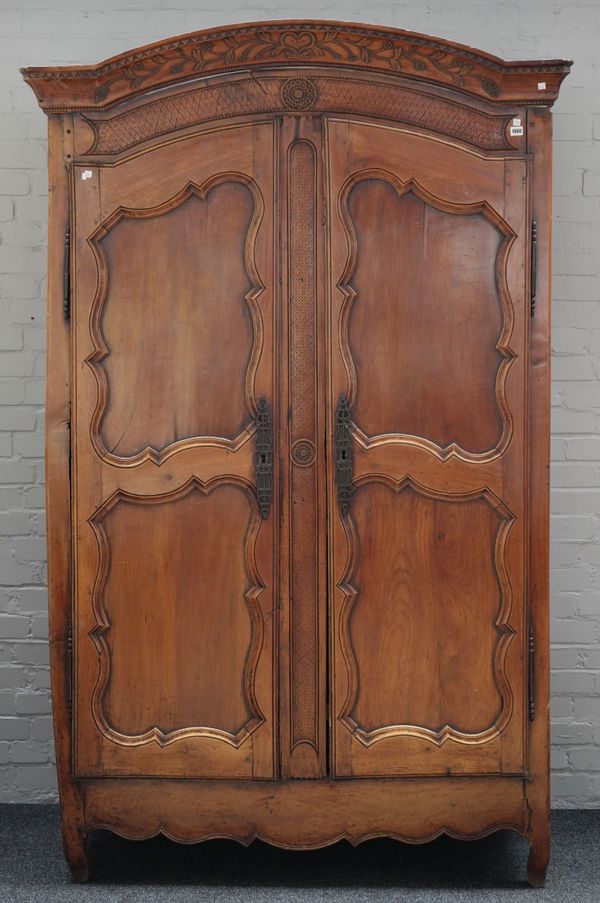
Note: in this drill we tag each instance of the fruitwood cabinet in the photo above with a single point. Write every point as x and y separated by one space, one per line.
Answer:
297 441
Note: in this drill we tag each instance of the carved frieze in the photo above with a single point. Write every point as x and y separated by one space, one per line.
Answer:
320 94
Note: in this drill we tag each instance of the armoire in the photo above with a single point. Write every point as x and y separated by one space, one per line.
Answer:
298 438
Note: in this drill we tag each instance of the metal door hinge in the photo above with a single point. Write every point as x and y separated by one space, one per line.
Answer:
70 672
70 440
531 668
533 266
263 458
344 455
67 275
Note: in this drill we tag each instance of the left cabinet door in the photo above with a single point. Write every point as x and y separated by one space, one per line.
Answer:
172 314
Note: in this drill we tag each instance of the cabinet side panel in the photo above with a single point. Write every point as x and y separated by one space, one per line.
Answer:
539 127
58 494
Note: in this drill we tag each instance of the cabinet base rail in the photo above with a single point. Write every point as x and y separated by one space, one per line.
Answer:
304 815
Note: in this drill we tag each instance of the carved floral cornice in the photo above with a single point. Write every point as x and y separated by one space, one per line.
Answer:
299 43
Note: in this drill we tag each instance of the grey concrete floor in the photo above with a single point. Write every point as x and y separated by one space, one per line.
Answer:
32 867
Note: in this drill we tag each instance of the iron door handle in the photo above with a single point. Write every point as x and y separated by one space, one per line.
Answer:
344 455
263 457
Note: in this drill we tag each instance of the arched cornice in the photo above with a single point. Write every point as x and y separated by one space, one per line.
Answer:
263 45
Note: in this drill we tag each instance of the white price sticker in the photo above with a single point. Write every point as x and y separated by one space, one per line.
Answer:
516 128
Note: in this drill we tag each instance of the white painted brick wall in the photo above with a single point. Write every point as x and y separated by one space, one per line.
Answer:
34 32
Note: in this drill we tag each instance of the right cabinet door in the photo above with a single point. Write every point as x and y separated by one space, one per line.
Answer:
427 404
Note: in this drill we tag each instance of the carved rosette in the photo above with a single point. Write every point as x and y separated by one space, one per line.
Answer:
298 93
303 453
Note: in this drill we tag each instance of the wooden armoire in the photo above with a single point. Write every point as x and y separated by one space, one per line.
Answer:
298 438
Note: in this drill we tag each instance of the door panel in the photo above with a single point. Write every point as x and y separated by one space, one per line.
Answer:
154 688
442 632
134 318
406 249
428 325
174 554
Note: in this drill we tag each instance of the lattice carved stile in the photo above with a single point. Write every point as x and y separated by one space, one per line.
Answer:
304 637
303 478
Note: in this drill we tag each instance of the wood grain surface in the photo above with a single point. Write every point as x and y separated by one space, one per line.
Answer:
337 220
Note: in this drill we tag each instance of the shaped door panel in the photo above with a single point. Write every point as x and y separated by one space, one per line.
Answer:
199 322
415 261
430 611
178 632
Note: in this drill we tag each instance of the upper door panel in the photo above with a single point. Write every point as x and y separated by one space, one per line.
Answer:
164 297
198 320
433 263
